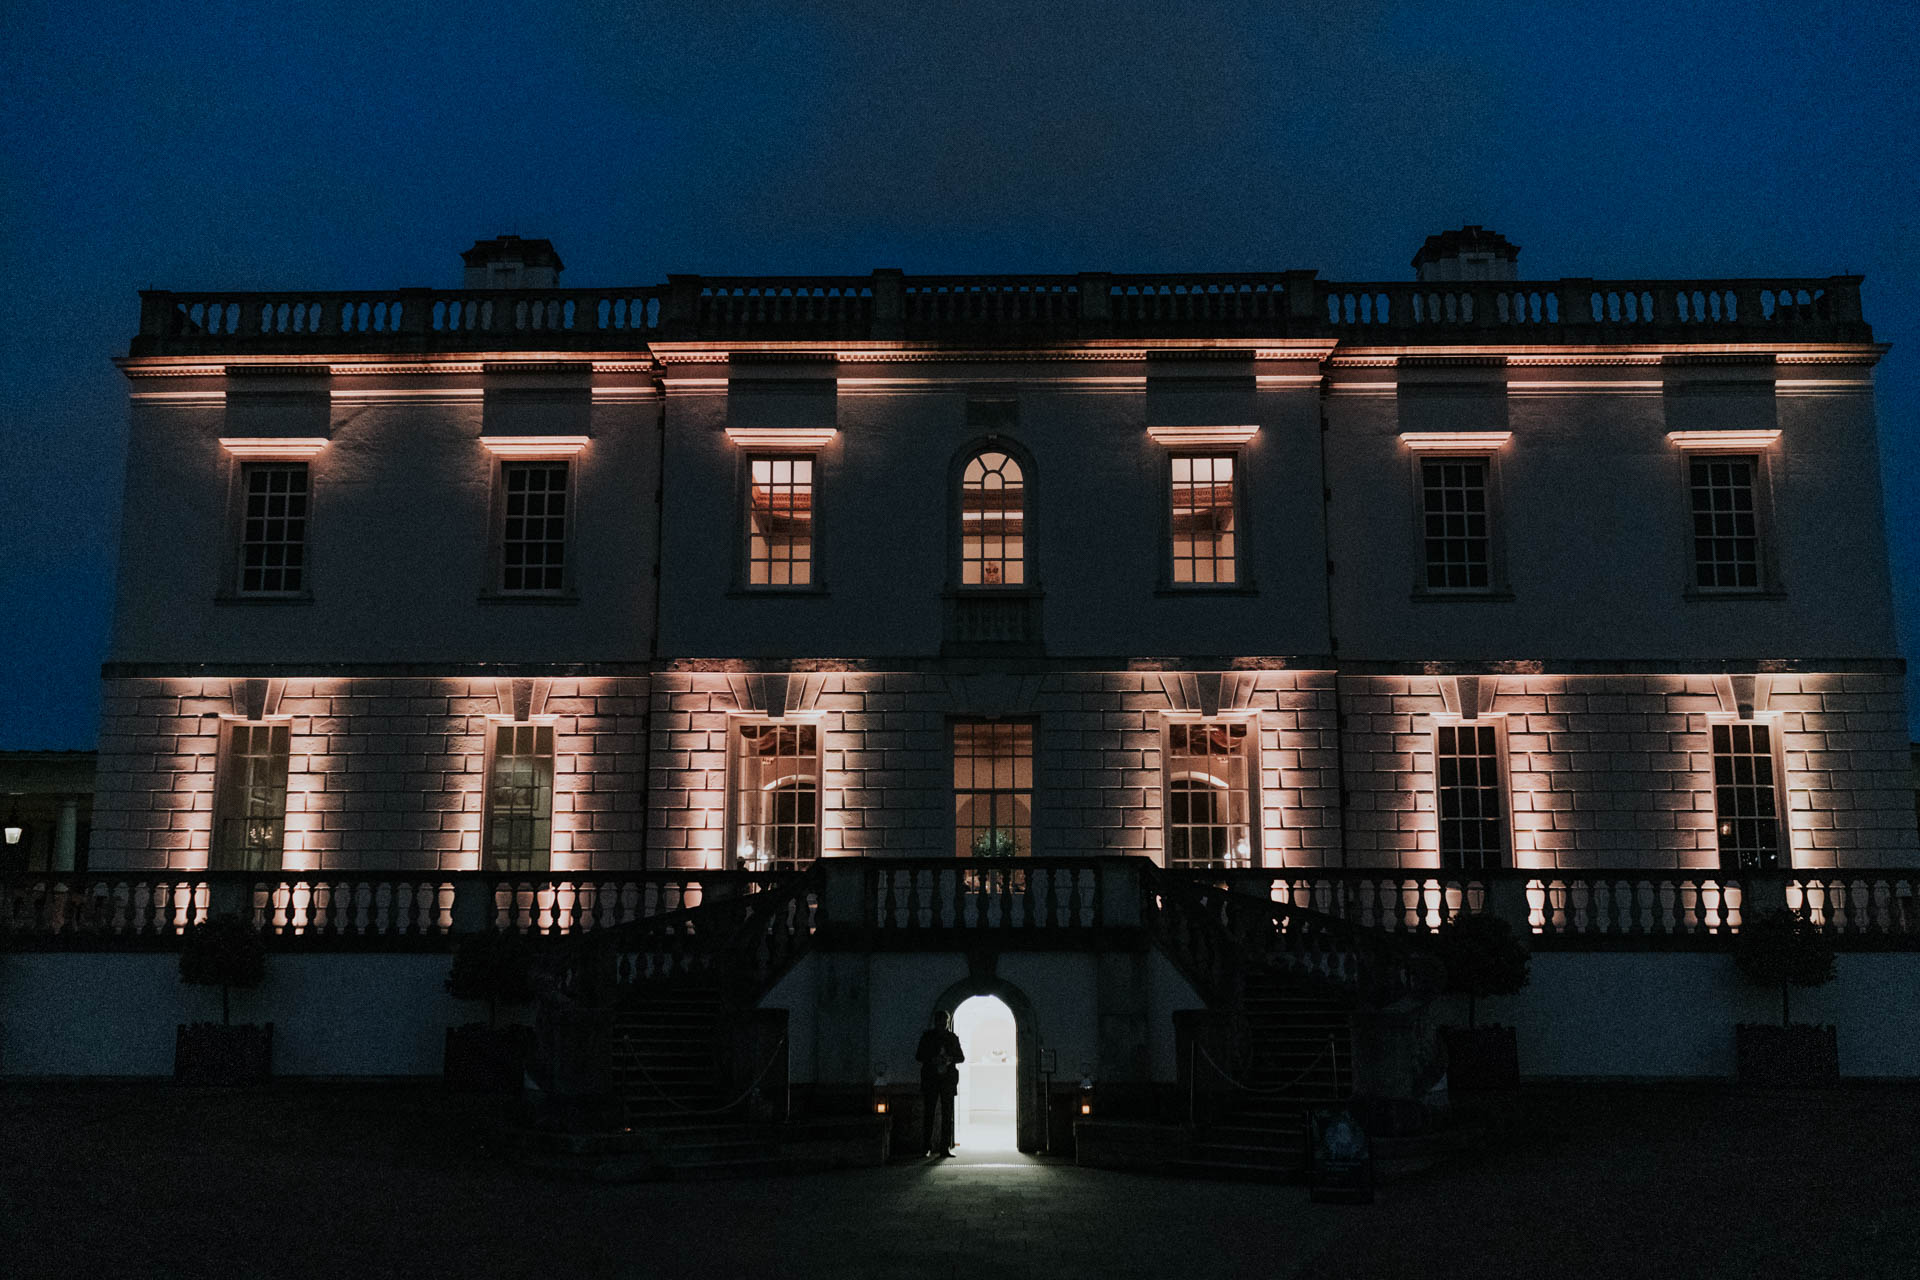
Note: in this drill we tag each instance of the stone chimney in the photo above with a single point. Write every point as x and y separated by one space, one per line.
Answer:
1471 253
508 262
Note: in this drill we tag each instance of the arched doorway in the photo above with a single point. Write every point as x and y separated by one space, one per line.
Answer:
986 1110
1002 999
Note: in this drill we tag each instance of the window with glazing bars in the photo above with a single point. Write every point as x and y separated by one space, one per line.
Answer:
1454 516
1744 798
533 535
776 796
1203 523
993 544
780 522
520 798
250 810
1208 796
1466 764
273 529
1726 528
992 789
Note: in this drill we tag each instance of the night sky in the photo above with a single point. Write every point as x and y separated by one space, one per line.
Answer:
333 146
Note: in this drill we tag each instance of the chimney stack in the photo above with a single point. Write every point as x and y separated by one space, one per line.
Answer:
508 262
1471 253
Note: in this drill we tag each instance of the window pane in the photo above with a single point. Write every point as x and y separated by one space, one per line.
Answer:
1469 797
1203 519
1726 535
992 789
776 795
1208 767
780 523
273 529
1749 820
250 818
1457 542
992 522
533 538
520 799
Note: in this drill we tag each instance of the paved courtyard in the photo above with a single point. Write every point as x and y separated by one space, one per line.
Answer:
351 1182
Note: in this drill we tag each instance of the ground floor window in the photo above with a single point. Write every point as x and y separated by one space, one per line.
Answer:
250 809
775 791
1208 793
1744 798
520 798
1470 796
992 789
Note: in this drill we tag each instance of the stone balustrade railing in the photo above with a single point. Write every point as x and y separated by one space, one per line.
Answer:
920 901
1002 310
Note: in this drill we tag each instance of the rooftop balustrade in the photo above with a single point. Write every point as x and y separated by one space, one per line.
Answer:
999 311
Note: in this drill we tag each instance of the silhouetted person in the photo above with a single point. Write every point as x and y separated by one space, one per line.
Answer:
939 1057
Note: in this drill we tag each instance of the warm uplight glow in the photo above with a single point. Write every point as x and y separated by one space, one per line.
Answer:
1086 1108
880 1107
253 447
1455 439
533 447
781 437
1758 438
1202 437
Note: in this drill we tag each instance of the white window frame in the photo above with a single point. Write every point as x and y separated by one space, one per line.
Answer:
225 784
494 725
1761 447
1487 447
739 853
748 459
1251 856
1776 750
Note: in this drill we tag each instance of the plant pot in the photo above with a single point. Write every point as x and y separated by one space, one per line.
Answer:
218 1053
1482 1058
1801 1055
483 1059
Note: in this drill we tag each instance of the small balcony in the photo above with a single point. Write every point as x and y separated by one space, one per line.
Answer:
991 623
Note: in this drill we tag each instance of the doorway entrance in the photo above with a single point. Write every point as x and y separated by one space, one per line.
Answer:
985 1110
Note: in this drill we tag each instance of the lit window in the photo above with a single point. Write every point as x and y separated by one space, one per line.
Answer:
992 789
1726 530
776 796
1458 541
1466 763
273 529
250 810
1203 525
520 798
1208 764
780 523
533 533
1744 798
993 551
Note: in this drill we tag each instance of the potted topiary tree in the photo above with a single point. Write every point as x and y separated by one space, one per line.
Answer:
496 967
223 952
1482 958
1785 949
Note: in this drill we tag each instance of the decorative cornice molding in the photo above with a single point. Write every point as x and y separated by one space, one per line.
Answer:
1757 438
781 437
533 447
268 447
1454 441
1203 437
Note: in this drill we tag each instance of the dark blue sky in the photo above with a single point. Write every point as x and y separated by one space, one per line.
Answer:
342 145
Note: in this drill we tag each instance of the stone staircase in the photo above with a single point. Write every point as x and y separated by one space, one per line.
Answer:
665 1066
1299 1055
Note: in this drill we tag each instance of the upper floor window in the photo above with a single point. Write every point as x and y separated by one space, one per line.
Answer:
992 788
993 547
273 528
1209 765
1456 524
780 522
250 803
1726 522
533 527
775 810
519 835
1204 523
1470 792
1744 798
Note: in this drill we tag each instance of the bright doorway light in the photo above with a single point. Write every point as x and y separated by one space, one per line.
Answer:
984 1112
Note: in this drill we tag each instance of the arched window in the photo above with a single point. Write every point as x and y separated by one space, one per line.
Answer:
993 522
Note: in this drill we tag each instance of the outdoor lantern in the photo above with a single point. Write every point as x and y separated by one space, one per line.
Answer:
879 1083
1086 1094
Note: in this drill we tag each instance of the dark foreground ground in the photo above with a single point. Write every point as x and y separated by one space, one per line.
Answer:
350 1182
